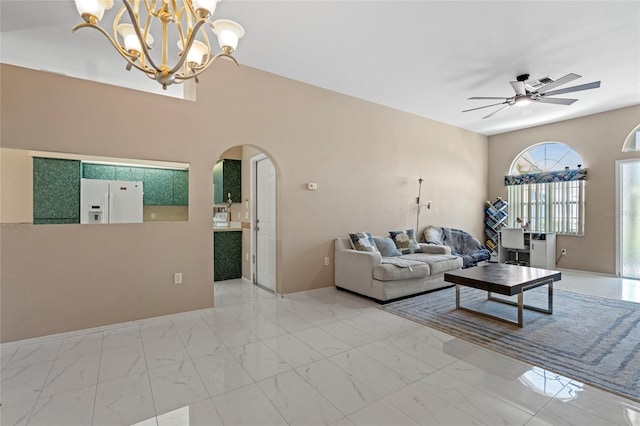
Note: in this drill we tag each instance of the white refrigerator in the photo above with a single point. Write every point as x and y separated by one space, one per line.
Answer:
110 201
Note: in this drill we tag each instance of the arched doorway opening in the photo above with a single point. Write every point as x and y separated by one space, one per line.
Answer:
245 211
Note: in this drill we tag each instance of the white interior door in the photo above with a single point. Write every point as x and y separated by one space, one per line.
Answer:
628 218
266 224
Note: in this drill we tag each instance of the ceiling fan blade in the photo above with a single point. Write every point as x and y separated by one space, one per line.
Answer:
489 97
518 86
559 82
486 106
558 101
496 111
588 86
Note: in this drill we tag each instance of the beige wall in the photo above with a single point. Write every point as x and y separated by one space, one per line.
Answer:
365 158
16 186
598 139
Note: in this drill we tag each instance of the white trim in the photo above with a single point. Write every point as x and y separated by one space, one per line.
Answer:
618 204
252 213
126 162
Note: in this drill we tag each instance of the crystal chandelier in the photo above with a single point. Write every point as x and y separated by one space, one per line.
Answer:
186 20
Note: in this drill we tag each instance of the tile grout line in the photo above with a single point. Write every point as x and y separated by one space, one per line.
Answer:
146 365
95 395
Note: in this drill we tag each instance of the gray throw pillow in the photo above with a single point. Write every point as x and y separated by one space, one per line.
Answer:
387 247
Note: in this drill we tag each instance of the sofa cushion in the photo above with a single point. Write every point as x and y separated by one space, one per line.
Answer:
389 272
386 247
363 241
405 241
438 263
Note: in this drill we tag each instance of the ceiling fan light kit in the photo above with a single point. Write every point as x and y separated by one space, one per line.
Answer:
190 18
528 91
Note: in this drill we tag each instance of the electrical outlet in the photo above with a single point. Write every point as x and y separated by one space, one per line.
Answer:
563 252
326 261
177 278
246 255
153 215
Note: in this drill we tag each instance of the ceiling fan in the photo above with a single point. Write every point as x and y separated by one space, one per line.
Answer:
528 91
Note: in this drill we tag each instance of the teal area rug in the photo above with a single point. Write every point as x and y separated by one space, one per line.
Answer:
590 339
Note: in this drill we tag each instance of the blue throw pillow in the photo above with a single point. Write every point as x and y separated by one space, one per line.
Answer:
387 247
405 241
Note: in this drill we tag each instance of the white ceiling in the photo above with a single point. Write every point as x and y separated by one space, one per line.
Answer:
423 57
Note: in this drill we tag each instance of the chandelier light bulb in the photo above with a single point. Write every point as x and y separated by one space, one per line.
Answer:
89 9
131 40
207 5
196 53
228 32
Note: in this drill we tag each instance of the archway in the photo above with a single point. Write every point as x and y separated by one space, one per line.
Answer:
240 227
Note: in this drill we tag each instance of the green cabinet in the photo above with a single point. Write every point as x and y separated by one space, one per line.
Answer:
227 179
158 187
227 255
180 188
56 191
98 171
162 187
129 174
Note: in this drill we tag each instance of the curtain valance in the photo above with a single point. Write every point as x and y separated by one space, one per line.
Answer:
546 177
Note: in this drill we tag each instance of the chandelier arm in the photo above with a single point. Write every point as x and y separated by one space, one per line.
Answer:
185 48
228 55
199 70
126 55
143 41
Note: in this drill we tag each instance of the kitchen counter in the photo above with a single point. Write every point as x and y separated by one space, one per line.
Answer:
226 228
233 226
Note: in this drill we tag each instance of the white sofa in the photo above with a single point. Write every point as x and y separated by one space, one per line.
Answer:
368 273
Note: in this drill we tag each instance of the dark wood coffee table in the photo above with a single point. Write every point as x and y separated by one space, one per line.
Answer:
504 279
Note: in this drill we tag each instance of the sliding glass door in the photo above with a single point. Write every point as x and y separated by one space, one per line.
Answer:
628 218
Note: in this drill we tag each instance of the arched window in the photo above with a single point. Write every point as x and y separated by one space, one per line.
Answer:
632 143
546 189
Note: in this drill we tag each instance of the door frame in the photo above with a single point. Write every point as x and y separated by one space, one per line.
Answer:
252 217
618 213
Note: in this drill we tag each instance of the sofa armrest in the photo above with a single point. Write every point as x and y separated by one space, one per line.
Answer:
354 269
434 249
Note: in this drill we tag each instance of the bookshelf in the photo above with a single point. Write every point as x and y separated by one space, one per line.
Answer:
495 218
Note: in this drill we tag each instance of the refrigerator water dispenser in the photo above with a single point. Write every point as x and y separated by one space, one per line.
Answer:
95 212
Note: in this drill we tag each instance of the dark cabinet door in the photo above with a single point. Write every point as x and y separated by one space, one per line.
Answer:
227 179
158 187
180 187
99 171
56 191
129 174
227 255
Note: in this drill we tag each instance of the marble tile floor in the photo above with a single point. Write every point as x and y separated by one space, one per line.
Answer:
321 357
